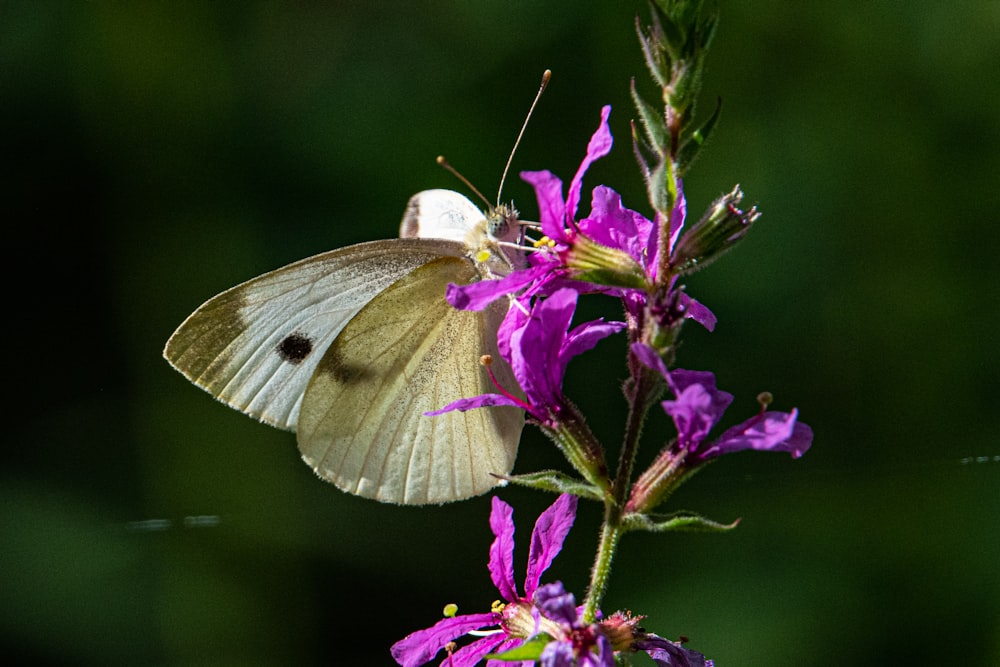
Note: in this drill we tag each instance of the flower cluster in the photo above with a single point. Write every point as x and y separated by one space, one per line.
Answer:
543 624
615 251
618 252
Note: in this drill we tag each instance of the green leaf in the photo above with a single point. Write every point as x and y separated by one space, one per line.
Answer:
659 196
529 650
553 480
691 147
676 521
652 54
652 123
639 147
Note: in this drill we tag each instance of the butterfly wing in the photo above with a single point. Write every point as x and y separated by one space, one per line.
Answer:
256 346
362 424
441 214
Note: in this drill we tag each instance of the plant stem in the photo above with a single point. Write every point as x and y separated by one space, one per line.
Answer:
611 531
640 398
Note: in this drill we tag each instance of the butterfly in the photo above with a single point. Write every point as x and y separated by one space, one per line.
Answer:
351 347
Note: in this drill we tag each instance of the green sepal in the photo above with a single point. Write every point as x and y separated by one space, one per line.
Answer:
558 482
597 263
675 521
531 649
611 278
697 140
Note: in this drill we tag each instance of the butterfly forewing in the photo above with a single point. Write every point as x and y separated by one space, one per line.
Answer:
440 214
362 424
255 346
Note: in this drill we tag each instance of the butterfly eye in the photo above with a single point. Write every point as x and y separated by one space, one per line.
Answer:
500 221
497 226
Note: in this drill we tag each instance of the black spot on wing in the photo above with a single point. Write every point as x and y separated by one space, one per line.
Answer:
295 348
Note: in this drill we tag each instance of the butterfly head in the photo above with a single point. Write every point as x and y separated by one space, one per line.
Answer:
502 223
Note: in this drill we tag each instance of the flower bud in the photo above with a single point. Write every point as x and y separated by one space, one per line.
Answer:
597 263
622 628
719 230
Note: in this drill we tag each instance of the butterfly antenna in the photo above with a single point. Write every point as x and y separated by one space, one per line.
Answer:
444 163
546 76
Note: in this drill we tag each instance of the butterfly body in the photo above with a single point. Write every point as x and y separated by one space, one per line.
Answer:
351 347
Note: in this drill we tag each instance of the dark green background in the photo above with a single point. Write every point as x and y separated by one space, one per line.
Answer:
157 153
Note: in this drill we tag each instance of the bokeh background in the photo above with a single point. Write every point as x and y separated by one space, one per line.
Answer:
158 153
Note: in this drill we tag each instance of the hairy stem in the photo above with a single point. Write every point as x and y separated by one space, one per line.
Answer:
641 394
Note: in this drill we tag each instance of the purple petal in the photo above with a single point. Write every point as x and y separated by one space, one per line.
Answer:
598 147
551 207
538 346
513 323
421 646
605 656
680 379
478 295
677 215
556 604
652 262
770 431
481 401
585 337
502 550
547 539
695 310
666 653
558 654
691 415
471 655
615 226
648 357
698 406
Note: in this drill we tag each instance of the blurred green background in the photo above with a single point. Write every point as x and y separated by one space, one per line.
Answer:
158 153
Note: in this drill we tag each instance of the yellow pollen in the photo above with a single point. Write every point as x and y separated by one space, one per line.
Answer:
450 610
497 607
483 256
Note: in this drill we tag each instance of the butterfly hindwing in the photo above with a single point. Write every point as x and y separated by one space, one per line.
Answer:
362 424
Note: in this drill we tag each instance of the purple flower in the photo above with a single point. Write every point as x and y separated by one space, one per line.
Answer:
666 653
614 250
576 644
539 346
579 644
547 268
558 215
698 406
619 238
508 624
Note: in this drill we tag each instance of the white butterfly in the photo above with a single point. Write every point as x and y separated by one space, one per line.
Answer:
350 348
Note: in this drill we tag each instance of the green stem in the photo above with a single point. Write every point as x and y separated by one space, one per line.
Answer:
611 531
640 398
639 401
